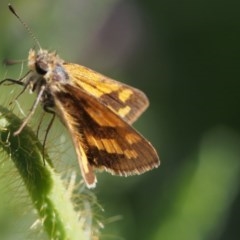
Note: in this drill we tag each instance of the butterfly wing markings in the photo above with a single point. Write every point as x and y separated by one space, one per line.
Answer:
127 102
101 138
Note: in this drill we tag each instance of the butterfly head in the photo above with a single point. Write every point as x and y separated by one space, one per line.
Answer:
47 65
42 61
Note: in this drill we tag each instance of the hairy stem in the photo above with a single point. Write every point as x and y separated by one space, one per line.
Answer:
45 187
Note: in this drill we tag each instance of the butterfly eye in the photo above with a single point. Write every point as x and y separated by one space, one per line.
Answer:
41 68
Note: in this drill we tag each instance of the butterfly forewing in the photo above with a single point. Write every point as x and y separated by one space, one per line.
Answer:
108 141
125 101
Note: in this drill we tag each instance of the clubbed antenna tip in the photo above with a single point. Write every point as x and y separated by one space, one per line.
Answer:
24 24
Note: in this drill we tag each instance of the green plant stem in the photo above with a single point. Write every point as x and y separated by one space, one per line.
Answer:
46 189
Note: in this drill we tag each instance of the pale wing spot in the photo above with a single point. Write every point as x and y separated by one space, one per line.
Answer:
86 169
116 146
95 142
100 89
124 111
131 153
111 146
83 159
91 140
107 145
124 95
102 120
91 90
132 138
107 88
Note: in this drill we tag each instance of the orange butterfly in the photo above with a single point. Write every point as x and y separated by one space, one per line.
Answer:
97 111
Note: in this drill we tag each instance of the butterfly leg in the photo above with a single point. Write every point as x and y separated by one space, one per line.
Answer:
39 96
48 128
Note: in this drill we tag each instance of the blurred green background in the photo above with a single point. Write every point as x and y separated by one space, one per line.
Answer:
185 56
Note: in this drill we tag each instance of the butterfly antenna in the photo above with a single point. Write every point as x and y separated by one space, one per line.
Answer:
25 25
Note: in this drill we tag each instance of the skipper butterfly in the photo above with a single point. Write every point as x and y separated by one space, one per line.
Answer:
97 111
